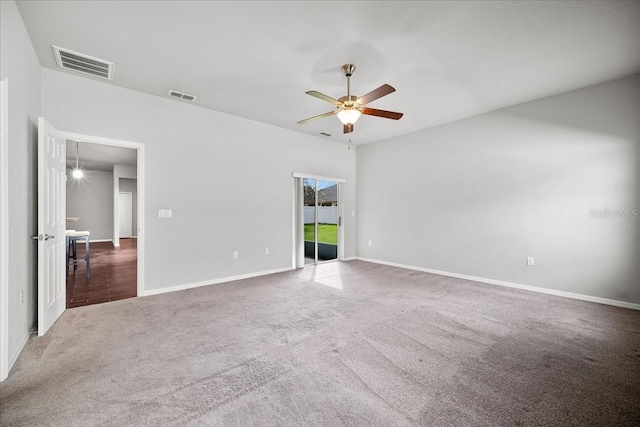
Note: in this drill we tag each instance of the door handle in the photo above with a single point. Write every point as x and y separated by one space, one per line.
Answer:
44 237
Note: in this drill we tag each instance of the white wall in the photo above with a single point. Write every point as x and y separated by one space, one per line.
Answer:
131 186
477 196
91 200
20 66
212 169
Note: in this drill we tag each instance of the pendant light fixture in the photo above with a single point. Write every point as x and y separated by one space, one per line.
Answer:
77 172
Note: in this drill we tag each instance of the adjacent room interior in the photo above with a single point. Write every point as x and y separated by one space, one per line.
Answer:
319 213
101 195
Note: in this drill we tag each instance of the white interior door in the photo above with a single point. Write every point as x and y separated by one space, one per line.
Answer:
51 225
125 215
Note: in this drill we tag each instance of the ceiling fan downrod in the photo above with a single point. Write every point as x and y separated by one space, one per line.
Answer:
348 70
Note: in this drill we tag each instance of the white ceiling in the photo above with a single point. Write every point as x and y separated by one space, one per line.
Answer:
447 60
99 157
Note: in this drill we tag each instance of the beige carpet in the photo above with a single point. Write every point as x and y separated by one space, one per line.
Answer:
339 344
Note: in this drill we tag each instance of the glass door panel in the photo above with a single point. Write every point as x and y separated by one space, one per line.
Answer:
310 209
328 219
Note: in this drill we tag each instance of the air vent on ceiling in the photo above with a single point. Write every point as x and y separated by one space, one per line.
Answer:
325 134
82 63
182 95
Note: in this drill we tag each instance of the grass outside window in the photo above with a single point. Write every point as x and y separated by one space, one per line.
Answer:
327 233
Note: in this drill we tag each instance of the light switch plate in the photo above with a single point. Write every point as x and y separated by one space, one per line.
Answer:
164 213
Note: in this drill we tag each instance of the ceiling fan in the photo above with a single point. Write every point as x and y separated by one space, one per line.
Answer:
350 107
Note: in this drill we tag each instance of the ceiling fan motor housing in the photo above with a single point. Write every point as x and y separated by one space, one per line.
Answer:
349 101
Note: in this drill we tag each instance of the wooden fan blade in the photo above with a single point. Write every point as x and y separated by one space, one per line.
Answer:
324 97
375 94
347 128
382 113
319 116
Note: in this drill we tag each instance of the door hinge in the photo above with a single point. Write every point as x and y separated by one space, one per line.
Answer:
339 221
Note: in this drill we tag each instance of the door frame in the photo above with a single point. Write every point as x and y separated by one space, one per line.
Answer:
130 209
295 220
4 228
141 185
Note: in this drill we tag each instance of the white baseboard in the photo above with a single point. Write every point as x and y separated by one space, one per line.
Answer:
100 240
349 259
16 353
213 282
554 292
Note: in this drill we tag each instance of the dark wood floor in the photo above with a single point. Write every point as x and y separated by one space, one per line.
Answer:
113 274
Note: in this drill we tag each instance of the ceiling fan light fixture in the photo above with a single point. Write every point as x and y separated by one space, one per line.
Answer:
77 173
349 116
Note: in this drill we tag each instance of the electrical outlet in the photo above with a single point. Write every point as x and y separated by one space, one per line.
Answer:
530 260
266 251
235 254
21 297
370 243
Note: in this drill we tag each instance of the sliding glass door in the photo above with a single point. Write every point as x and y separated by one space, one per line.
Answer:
321 220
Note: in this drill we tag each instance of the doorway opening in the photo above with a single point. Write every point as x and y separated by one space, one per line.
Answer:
52 217
101 200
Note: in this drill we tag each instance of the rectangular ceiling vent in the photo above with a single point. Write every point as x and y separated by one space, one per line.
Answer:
82 63
181 95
